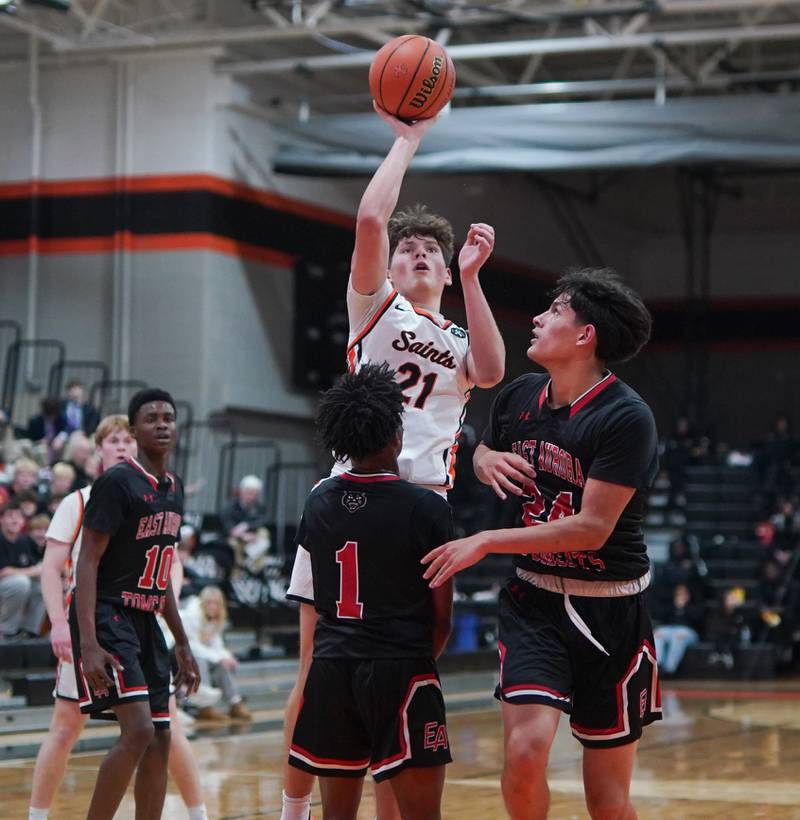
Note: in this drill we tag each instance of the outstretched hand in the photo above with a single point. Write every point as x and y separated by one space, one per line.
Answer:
450 558
476 249
400 128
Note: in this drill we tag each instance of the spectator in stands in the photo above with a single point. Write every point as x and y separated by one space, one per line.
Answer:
193 581
679 630
726 627
47 427
773 464
76 412
30 504
25 477
77 453
786 526
244 521
62 477
246 513
52 503
37 529
21 604
681 568
204 621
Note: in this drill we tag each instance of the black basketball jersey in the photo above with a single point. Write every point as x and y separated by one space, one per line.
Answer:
143 517
366 535
608 434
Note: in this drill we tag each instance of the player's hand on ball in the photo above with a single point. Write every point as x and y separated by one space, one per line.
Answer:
505 472
61 642
476 250
452 557
400 128
188 675
94 660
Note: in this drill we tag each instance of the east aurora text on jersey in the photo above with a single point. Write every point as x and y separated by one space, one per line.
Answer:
607 434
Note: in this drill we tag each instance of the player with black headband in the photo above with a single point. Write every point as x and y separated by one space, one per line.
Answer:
372 700
131 526
576 449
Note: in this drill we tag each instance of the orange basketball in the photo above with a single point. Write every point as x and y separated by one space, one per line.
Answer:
412 77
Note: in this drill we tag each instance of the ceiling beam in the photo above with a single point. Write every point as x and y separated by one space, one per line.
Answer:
529 48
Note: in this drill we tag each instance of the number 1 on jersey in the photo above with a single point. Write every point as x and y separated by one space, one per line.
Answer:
348 605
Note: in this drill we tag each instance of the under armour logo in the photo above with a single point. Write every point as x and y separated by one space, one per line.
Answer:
149 498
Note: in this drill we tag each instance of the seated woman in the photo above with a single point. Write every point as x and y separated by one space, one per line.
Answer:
204 622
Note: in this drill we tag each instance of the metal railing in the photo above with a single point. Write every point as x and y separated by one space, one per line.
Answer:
10 332
113 395
26 377
292 482
198 461
85 371
245 456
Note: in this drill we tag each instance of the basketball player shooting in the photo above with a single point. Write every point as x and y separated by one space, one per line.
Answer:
400 269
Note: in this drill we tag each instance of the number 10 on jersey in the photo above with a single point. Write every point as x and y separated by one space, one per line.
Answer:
348 605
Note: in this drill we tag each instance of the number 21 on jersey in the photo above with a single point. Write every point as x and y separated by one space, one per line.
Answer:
348 605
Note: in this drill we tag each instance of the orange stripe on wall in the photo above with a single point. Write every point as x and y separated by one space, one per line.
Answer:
177 182
152 243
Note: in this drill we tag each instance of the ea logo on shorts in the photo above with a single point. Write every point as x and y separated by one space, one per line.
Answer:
353 502
435 736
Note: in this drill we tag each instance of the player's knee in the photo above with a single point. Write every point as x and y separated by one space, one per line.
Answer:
607 802
525 754
139 735
66 731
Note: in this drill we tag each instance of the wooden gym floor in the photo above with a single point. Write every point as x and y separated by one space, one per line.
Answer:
718 754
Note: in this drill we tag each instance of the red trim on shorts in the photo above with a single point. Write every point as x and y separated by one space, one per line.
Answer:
330 761
536 686
123 690
159 714
404 753
645 648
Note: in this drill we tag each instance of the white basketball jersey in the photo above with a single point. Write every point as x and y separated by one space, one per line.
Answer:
429 355
67 527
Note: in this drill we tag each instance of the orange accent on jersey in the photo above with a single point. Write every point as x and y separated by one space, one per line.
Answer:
80 520
444 325
374 320
451 467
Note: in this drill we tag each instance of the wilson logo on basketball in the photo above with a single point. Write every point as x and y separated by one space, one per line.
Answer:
400 70
428 84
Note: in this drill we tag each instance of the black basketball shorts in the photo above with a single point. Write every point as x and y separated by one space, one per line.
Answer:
136 640
378 715
593 658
